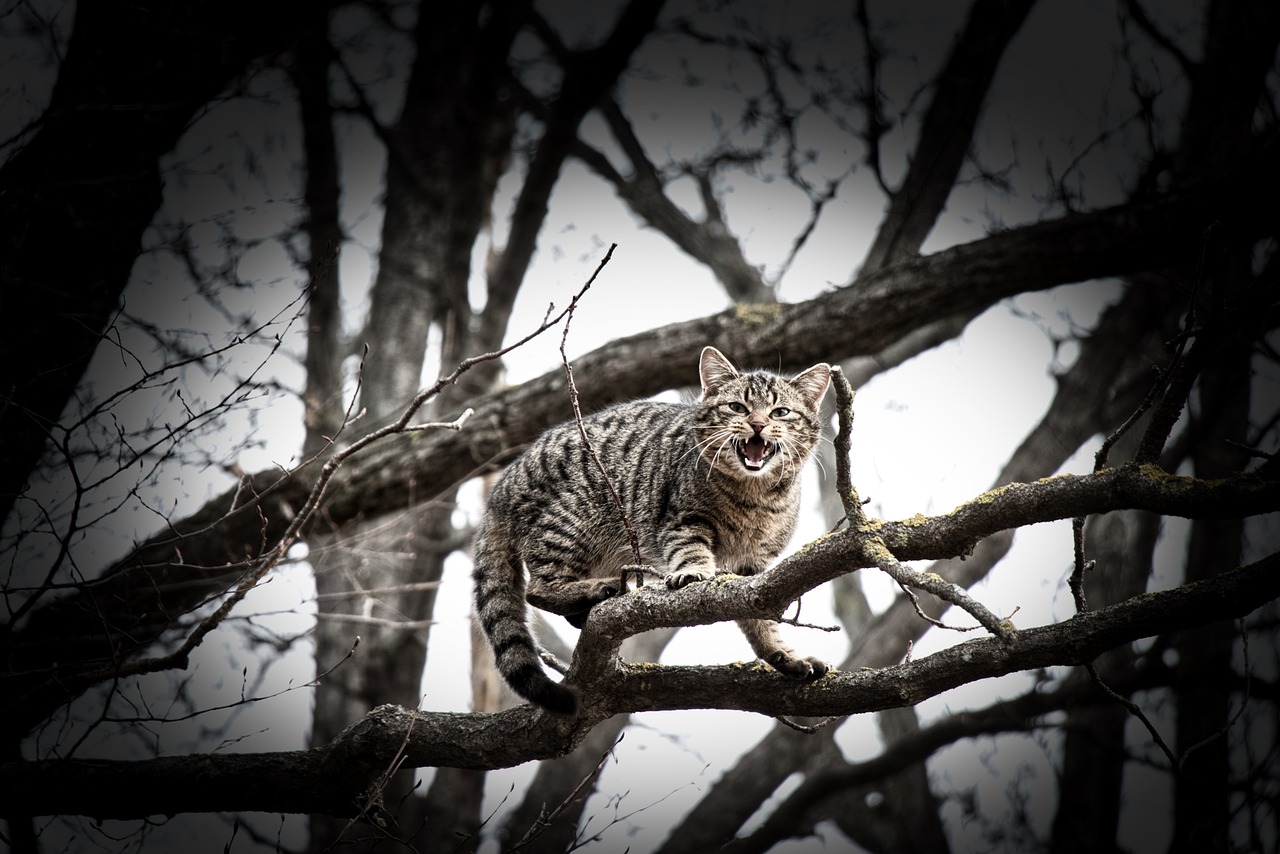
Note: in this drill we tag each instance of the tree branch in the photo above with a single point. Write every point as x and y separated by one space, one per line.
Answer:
946 130
1018 714
588 75
706 239
333 778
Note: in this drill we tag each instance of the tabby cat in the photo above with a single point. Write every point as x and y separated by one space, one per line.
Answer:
710 487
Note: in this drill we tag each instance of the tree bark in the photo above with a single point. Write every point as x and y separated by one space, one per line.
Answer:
322 397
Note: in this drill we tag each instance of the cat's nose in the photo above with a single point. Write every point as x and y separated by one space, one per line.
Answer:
758 422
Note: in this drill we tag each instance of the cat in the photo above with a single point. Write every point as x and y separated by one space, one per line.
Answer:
710 487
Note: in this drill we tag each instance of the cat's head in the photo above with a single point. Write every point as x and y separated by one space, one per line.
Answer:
756 424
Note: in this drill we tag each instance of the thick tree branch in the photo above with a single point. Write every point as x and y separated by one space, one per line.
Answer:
946 130
1018 714
335 778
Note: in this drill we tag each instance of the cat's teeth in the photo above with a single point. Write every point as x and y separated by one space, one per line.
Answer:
755 452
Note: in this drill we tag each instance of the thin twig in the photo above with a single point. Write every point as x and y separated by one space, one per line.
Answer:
1251 450
807 729
552 661
1135 710
875 547
545 820
931 582
455 424
915 603
372 808
384 622
586 440
272 557
795 621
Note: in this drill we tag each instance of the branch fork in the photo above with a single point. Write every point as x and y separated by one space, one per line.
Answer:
875 549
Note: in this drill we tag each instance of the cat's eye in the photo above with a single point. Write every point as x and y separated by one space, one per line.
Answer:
739 408
780 412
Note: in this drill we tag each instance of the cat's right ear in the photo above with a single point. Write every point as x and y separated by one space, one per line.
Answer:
715 369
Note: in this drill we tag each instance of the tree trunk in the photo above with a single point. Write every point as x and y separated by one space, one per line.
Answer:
1204 672
374 577
90 178
322 398
1093 752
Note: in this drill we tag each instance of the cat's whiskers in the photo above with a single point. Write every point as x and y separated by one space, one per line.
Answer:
786 444
817 459
789 466
721 436
702 444
715 460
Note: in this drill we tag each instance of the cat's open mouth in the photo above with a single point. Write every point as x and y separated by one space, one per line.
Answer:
755 452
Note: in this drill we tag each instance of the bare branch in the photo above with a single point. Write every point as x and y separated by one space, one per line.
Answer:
546 820
332 778
947 127
875 548
455 424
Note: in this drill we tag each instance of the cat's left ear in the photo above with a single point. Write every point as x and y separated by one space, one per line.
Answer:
812 384
715 369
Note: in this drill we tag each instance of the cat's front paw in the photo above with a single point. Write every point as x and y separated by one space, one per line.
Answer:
682 577
806 669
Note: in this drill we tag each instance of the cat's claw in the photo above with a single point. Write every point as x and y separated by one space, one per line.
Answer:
683 577
806 669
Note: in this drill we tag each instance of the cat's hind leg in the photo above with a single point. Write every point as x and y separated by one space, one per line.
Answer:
562 592
769 646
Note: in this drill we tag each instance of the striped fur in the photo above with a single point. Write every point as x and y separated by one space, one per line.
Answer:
710 487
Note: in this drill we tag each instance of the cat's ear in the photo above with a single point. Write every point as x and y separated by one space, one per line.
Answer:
812 384
715 369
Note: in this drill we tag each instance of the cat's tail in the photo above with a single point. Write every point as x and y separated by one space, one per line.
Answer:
500 608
